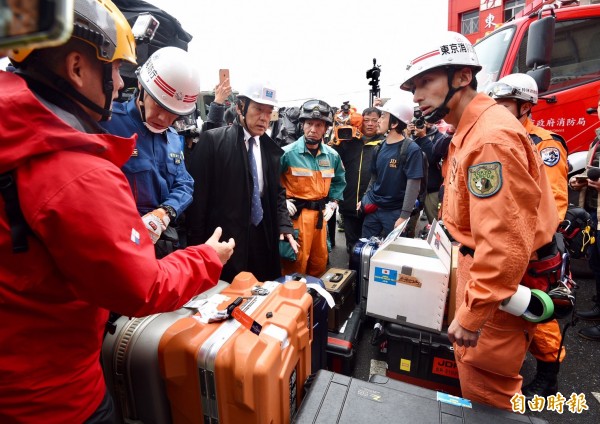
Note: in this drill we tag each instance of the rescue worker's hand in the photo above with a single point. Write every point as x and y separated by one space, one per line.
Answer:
291 207
461 336
577 182
399 222
293 243
156 222
377 102
222 91
224 249
329 210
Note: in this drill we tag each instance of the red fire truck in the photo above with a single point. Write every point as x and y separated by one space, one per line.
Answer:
568 106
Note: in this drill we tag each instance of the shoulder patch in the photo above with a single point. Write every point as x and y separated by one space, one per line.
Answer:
550 155
485 179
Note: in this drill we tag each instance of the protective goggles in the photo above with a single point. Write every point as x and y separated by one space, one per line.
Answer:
316 108
500 90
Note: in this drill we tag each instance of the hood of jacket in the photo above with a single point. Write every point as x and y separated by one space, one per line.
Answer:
29 129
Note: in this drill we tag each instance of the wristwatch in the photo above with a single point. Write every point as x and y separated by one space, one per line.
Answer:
170 210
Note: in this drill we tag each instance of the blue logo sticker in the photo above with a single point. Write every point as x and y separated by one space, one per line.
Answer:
453 400
386 276
269 93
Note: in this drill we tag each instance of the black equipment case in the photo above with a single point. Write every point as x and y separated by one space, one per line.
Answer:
341 284
320 317
334 398
422 358
342 345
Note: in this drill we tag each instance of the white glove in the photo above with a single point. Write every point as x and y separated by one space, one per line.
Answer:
329 210
156 222
291 207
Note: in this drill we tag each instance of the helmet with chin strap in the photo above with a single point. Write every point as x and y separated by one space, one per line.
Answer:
401 107
316 109
451 51
260 92
100 24
515 86
171 79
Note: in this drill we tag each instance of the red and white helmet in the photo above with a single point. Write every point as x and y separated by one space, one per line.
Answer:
514 86
171 80
451 49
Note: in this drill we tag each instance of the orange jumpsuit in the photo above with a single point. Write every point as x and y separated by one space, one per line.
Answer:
499 203
547 336
319 178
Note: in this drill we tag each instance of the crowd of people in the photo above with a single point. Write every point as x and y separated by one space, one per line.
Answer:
102 199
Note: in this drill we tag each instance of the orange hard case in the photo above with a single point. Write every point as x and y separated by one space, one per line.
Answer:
225 373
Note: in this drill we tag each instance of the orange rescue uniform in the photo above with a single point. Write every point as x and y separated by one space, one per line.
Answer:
497 202
311 180
546 340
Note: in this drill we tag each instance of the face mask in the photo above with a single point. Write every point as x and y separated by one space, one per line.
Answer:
154 129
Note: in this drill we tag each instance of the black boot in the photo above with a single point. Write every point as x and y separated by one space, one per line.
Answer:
590 333
591 315
594 313
545 382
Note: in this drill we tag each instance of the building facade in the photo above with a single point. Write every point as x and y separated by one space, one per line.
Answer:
476 18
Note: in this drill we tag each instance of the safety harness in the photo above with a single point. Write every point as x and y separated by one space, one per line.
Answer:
313 205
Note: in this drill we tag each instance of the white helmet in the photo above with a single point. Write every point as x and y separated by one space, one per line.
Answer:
514 86
399 106
451 49
259 92
171 80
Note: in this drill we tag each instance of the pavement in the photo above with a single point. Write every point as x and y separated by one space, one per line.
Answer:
580 370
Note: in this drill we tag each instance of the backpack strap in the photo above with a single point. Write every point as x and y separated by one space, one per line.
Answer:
19 229
404 151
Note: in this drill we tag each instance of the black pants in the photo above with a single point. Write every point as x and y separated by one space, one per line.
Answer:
331 229
352 229
258 254
106 413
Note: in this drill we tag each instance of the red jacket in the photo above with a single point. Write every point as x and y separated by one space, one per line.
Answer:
90 253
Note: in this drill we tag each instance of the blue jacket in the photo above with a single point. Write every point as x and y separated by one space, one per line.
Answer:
156 170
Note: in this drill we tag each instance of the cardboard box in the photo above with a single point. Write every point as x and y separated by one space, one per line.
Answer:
408 280
453 283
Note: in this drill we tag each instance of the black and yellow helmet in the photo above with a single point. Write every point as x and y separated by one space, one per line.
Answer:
101 24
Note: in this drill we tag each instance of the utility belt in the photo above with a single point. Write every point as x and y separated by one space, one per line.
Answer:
313 205
542 273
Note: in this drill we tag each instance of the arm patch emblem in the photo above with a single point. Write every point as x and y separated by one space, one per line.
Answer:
485 179
550 156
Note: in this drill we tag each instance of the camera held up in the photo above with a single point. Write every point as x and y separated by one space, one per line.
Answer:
418 120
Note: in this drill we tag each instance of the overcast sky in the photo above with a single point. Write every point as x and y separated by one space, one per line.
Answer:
307 48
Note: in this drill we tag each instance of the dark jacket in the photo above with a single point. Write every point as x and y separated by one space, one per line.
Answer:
428 144
222 195
356 157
